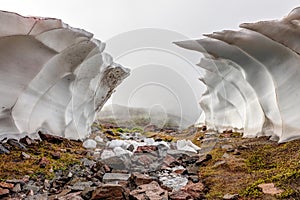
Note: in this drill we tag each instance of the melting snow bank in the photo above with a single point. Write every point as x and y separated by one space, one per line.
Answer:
252 77
52 76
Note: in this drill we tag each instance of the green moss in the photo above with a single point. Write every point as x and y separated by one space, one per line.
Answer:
253 190
262 161
13 166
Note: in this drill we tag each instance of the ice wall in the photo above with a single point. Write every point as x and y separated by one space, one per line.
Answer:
52 76
253 77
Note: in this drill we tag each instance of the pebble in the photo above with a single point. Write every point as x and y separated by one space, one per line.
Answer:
231 197
25 156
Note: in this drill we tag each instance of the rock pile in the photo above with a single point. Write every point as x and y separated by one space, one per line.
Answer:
134 167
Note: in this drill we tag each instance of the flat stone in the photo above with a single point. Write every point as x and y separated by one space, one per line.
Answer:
231 197
149 191
219 163
122 162
269 188
111 177
14 181
6 185
110 192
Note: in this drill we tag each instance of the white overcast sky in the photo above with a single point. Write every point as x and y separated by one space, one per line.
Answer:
106 18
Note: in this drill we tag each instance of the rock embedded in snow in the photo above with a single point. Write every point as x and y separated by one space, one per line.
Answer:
252 78
52 76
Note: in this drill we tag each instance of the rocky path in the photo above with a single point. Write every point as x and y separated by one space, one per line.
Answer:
112 165
120 164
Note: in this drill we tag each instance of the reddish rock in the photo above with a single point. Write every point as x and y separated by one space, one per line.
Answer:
50 138
149 191
26 140
146 160
196 190
180 171
141 179
6 185
4 192
180 195
169 160
43 162
106 168
146 149
110 192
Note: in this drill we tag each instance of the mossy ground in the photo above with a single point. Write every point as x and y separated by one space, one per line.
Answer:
260 161
12 166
